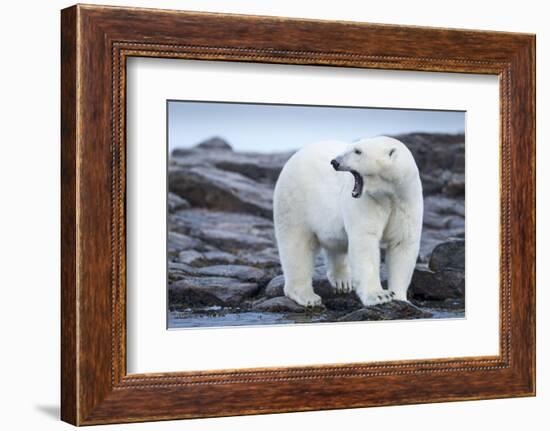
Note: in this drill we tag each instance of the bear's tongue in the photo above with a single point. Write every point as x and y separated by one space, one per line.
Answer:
358 186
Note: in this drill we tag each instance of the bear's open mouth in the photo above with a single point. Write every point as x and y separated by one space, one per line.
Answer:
358 186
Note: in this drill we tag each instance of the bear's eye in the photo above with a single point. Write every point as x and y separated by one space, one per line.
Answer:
392 151
357 151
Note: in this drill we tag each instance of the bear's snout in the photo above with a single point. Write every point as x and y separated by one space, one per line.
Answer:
335 164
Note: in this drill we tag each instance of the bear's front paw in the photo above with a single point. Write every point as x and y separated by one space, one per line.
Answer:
374 297
305 299
340 282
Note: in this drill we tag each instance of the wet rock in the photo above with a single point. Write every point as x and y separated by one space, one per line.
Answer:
344 302
449 305
207 291
437 286
278 304
176 203
394 310
448 255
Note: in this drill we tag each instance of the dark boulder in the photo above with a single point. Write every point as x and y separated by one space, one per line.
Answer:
344 302
393 310
448 255
455 186
437 286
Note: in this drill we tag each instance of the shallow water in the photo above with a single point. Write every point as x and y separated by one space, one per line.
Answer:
216 317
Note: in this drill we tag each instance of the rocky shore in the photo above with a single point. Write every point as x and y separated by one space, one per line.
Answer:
223 266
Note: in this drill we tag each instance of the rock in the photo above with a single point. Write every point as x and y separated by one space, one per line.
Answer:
443 219
220 258
230 232
437 286
260 167
178 242
434 151
238 272
266 258
459 163
233 241
448 255
190 257
321 285
443 205
208 258
394 310
206 291
440 159
213 188
215 143
275 287
278 304
434 181
176 203
455 186
343 302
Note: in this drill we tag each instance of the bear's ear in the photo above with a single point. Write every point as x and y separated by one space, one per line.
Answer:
392 152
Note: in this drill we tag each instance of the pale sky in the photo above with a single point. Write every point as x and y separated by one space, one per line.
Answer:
273 128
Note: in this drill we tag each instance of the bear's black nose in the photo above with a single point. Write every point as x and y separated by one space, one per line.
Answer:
335 164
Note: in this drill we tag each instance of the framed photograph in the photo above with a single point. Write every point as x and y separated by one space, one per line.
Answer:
263 214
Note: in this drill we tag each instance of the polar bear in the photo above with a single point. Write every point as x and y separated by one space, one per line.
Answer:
349 200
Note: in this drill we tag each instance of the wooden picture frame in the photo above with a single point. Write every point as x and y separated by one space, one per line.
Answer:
95 43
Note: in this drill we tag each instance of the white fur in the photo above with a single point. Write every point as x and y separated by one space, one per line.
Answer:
314 209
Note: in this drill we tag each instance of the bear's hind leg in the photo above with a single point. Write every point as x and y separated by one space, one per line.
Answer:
297 251
338 272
